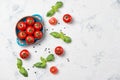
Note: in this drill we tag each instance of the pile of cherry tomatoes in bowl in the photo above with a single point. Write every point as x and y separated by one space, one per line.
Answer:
29 29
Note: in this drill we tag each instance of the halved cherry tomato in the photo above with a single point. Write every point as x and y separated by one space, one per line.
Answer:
38 26
30 21
24 54
67 18
59 50
22 35
54 70
29 39
38 34
21 26
30 30
53 21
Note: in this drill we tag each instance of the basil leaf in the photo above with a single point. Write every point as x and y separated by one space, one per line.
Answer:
23 71
55 34
59 4
55 8
40 65
19 63
67 39
62 35
50 13
50 57
43 59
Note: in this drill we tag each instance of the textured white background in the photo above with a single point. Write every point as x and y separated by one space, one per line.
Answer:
94 53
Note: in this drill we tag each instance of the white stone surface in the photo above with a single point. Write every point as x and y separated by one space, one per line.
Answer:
94 53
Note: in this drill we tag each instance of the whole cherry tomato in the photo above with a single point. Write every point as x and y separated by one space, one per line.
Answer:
38 26
21 26
29 39
22 35
38 34
67 18
24 54
30 30
54 70
59 50
53 21
30 21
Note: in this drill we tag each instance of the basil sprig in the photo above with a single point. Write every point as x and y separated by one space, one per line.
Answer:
22 70
54 9
61 35
44 61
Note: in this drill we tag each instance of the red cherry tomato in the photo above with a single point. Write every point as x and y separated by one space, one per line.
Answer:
24 54
22 35
29 39
38 26
59 50
30 21
30 30
67 18
53 21
38 34
21 26
54 70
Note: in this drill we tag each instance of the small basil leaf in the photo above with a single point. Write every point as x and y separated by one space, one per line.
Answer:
43 59
50 13
55 8
19 63
23 71
40 65
59 4
55 34
50 57
67 39
62 35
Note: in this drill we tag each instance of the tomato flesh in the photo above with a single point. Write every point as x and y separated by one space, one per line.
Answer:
59 50
29 39
24 54
38 34
53 21
67 18
22 35
38 26
21 26
54 70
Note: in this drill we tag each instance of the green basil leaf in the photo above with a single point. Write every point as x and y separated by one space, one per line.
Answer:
23 71
43 59
55 34
59 4
62 35
50 13
19 63
50 57
55 8
67 39
40 65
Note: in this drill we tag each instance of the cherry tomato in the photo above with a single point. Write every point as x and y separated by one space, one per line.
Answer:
59 50
29 39
30 30
30 21
53 21
22 35
24 54
67 18
21 26
38 26
54 70
38 34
